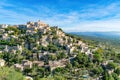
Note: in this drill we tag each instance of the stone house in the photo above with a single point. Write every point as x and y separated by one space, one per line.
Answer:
40 55
110 71
19 47
13 36
10 31
37 25
60 63
3 26
6 48
27 64
2 62
49 38
106 62
30 24
5 36
72 49
37 42
34 55
43 31
41 24
30 32
18 67
84 49
88 52
1 51
60 33
60 41
2 30
79 42
13 48
28 78
44 43
38 63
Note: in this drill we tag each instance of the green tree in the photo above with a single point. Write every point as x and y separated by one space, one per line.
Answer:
10 74
41 72
69 66
115 76
61 55
97 57
110 77
105 76
27 70
52 57
97 71
52 48
117 71
76 64
111 65
82 59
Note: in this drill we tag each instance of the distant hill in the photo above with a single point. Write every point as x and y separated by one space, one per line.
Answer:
98 34
108 38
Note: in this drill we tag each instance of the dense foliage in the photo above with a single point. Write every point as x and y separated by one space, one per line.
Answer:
103 63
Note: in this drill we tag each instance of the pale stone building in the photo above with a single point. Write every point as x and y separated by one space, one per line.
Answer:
38 63
27 64
3 26
18 67
5 36
60 63
28 78
2 62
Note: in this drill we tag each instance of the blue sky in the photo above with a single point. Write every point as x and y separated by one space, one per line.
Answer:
70 15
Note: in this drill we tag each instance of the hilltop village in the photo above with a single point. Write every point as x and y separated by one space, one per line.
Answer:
38 50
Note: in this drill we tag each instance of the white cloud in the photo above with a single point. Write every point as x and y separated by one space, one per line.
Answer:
103 25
